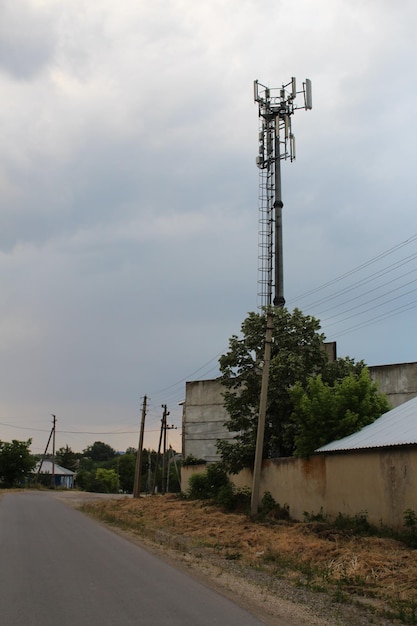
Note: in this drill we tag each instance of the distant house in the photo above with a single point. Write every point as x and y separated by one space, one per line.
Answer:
63 477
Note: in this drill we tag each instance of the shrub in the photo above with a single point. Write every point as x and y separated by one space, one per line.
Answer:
208 485
226 497
216 486
216 477
273 510
198 487
358 524
409 535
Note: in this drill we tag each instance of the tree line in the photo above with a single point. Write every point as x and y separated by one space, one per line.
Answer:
99 468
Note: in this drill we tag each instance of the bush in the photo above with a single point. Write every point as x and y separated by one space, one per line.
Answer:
206 486
358 524
215 485
225 497
409 535
273 510
198 487
216 478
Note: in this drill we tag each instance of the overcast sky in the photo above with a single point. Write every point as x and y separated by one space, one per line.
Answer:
129 196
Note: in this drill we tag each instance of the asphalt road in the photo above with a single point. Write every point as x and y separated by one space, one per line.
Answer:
60 568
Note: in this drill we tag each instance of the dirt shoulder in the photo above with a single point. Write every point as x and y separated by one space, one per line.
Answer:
287 573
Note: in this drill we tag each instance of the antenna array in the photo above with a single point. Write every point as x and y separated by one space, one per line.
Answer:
276 143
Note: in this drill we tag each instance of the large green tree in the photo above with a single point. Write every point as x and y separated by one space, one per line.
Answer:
16 462
296 354
324 412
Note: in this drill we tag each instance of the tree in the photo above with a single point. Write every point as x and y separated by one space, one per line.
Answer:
325 412
125 467
340 368
16 462
105 481
100 452
296 355
67 458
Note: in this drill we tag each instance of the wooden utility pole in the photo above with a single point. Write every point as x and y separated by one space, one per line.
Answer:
262 415
139 454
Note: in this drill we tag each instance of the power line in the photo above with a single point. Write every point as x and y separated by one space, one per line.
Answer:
373 307
393 280
181 380
360 291
77 432
403 308
356 269
365 280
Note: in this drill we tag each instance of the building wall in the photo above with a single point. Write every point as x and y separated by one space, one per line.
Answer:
382 483
204 414
398 382
203 419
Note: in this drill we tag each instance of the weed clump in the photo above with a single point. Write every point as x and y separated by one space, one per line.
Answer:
215 485
272 510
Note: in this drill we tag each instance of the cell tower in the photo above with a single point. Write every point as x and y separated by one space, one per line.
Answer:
276 143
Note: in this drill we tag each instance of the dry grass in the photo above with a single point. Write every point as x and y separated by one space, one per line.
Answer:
303 553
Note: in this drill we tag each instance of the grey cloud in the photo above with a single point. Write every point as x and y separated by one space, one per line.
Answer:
26 39
128 224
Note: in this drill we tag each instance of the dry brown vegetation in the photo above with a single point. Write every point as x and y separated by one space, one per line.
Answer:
313 556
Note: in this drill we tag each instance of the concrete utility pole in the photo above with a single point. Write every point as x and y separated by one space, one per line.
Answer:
53 451
262 416
166 413
276 143
165 470
44 454
158 454
139 455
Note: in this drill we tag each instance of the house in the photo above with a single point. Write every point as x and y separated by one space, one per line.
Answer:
63 477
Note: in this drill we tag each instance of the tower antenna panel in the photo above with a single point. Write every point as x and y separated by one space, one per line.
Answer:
308 94
276 143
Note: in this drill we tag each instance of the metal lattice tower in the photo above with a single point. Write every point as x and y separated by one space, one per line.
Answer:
276 143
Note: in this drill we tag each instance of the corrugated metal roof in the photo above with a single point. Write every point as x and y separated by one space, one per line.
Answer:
397 427
47 469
